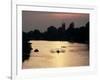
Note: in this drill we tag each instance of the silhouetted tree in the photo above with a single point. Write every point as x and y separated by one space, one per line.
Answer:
87 32
26 47
61 32
30 35
51 33
71 26
37 34
62 28
70 32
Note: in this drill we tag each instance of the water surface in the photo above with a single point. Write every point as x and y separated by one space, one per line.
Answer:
57 54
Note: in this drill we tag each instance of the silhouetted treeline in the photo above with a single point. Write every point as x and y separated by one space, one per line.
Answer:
26 47
71 34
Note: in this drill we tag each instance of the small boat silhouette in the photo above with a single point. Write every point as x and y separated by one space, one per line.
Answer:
57 50
36 50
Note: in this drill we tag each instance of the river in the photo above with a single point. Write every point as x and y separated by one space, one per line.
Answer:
53 54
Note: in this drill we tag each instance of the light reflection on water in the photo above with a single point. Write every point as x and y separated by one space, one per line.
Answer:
72 54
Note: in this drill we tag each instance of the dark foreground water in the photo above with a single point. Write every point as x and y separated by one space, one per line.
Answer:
57 54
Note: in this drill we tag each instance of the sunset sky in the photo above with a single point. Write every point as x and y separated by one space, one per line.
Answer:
42 20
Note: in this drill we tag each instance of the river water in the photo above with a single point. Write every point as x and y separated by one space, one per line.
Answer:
52 54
